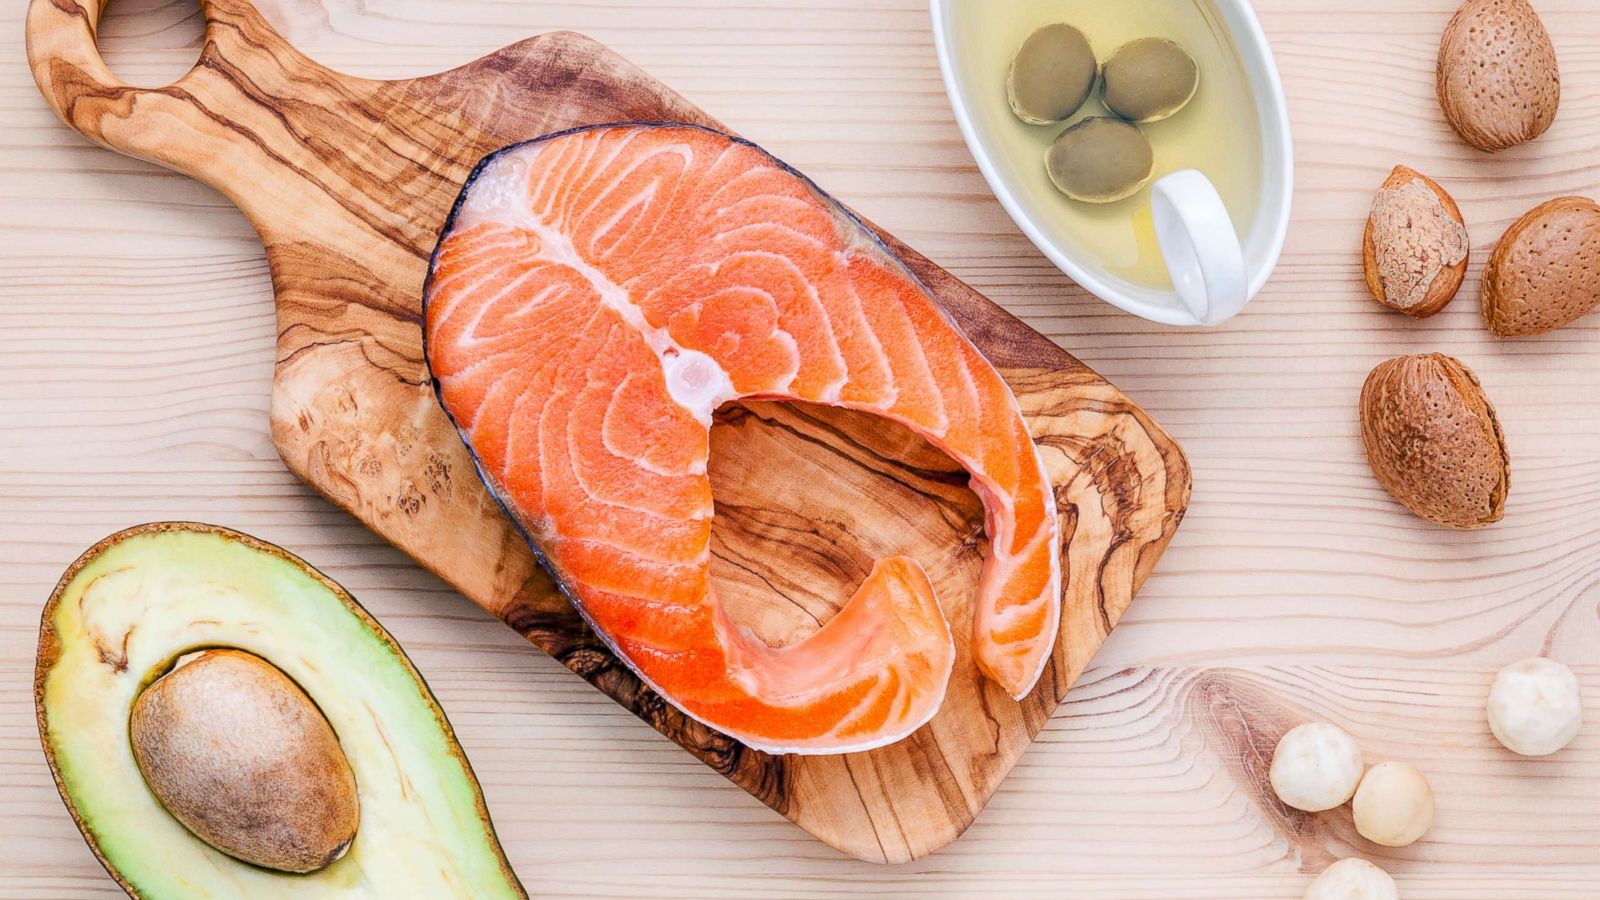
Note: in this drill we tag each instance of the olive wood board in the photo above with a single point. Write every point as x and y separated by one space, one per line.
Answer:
347 182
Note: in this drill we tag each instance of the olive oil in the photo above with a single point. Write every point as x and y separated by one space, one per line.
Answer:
1216 133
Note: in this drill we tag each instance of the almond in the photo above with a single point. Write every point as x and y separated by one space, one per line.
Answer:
1545 270
1415 248
1433 440
1498 81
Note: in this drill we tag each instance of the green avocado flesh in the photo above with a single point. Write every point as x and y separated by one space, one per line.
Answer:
137 601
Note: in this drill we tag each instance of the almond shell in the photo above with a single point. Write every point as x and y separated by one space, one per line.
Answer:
1433 441
1442 289
1544 272
1498 81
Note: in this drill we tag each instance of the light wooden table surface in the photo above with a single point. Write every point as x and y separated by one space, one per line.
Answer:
136 348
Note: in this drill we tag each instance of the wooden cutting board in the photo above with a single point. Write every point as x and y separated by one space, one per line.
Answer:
348 181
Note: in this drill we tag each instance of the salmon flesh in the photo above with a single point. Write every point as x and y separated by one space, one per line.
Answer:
597 294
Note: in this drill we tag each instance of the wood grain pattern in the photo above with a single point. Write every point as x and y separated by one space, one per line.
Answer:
347 182
136 379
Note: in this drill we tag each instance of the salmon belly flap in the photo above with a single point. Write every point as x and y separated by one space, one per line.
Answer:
597 294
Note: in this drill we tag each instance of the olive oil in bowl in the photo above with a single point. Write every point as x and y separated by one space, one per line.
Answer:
1218 132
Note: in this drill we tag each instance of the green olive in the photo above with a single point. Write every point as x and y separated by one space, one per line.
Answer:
1100 160
1052 75
1149 79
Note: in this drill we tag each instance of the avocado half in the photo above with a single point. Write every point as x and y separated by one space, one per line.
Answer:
132 604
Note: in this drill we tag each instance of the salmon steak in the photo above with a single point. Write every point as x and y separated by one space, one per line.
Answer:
597 294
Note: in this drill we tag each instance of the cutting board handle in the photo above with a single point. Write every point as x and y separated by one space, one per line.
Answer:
172 126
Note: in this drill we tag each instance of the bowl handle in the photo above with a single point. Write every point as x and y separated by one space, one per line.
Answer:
1200 245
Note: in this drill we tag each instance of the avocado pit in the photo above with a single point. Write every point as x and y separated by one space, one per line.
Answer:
238 753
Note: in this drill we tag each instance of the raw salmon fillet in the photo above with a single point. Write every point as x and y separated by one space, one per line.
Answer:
597 294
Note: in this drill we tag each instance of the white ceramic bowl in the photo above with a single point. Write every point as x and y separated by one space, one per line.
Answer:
1261 245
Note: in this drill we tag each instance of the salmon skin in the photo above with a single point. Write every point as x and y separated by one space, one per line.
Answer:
596 294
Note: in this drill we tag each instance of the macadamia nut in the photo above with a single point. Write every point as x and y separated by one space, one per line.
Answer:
1353 879
1534 707
1316 767
1394 805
